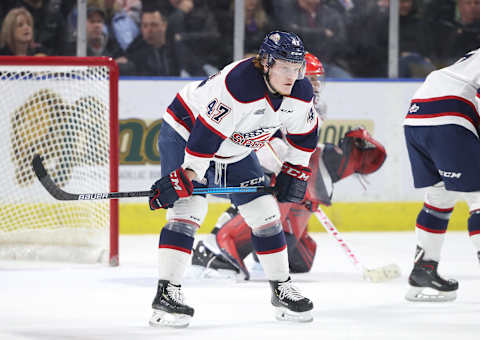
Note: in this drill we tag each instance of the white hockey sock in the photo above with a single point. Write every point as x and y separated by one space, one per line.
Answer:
431 243
275 265
172 264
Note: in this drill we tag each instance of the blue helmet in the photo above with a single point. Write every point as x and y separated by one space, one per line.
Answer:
282 45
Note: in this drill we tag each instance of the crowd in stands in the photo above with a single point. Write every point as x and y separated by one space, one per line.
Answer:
191 38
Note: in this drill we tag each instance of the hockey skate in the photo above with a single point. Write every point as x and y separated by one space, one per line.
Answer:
426 284
168 307
289 304
208 261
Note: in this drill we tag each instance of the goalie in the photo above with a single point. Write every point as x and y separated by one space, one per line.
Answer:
229 242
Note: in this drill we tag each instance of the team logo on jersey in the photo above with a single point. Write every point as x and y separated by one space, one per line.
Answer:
255 139
414 108
259 112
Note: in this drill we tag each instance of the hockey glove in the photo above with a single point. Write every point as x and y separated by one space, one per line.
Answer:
168 189
291 183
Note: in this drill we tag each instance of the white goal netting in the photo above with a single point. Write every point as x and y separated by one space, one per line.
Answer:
64 114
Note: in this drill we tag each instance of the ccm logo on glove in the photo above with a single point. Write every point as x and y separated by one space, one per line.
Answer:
168 189
297 171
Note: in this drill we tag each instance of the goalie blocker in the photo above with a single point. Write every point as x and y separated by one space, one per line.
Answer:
230 243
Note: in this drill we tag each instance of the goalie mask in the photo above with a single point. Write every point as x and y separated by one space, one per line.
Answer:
357 152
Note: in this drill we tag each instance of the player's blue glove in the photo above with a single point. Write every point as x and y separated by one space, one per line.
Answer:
291 183
168 189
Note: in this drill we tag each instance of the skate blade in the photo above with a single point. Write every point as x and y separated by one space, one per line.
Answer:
425 294
385 273
284 314
163 319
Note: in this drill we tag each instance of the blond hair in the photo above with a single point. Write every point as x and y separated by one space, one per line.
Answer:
7 36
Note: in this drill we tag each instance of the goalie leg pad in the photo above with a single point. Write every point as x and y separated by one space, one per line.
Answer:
301 252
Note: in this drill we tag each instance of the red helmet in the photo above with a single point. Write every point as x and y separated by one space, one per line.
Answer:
314 66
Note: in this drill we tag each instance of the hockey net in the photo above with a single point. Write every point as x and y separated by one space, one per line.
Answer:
65 109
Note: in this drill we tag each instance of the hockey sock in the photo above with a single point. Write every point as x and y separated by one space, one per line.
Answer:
474 228
430 228
174 251
273 256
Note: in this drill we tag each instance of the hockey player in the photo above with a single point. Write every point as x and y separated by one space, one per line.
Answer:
229 243
316 74
442 136
207 138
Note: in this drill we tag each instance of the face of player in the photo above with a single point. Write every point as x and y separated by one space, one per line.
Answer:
316 83
23 30
282 76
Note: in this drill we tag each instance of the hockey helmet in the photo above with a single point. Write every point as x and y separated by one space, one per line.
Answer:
314 65
285 46
315 72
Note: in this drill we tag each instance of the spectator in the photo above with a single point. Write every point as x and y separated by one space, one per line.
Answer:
125 21
368 42
323 31
17 34
151 54
99 43
193 28
49 29
257 24
454 39
414 41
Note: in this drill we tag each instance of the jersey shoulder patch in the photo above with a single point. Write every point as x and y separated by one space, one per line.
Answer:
245 83
302 90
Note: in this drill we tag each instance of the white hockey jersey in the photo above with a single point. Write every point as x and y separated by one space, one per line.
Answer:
231 114
450 95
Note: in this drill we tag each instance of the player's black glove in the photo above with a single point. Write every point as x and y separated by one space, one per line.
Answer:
291 183
168 189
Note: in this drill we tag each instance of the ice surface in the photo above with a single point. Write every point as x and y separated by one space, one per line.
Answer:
66 301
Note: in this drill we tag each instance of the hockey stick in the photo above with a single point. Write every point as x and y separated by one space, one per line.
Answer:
62 195
381 274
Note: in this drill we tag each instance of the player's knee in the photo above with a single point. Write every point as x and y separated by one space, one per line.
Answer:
438 197
191 210
262 212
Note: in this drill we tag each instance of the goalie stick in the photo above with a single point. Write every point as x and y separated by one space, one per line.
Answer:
381 274
385 273
59 194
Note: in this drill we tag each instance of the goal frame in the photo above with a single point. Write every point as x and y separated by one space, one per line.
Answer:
108 62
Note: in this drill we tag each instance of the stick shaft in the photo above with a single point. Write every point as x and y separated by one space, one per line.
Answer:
62 195
330 228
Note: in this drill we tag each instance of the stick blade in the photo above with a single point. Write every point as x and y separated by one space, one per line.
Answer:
38 168
382 274
48 183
